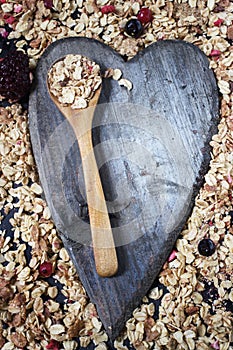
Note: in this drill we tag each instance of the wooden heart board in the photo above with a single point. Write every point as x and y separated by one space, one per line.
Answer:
151 146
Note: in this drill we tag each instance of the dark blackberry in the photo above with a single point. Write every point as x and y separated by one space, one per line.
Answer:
14 76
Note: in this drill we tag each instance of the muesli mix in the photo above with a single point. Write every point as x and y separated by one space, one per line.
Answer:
74 80
43 304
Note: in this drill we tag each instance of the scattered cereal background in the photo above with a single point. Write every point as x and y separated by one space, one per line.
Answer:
191 303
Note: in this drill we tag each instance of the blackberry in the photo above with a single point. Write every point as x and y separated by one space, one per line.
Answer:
14 76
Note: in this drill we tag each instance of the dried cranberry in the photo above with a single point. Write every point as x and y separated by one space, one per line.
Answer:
145 15
215 53
134 28
14 76
10 20
219 22
18 8
48 4
53 345
206 247
46 269
108 9
172 256
3 33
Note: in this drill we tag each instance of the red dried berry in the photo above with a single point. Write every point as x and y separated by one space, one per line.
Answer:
14 76
46 269
3 33
48 4
53 345
172 256
215 54
108 9
145 15
10 19
2 1
219 22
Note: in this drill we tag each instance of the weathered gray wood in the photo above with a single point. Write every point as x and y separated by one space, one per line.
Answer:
151 145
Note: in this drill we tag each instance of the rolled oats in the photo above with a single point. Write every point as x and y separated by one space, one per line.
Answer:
184 319
74 80
57 329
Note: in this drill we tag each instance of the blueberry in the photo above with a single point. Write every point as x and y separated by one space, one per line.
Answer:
134 28
206 247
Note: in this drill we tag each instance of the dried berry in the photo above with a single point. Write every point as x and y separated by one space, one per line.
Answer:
172 256
14 76
215 53
18 8
215 345
219 22
48 4
46 269
206 247
9 19
108 9
53 345
4 33
145 15
134 28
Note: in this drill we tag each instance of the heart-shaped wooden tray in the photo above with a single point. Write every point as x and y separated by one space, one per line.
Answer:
151 146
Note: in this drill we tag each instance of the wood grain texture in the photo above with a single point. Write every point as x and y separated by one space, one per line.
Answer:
151 146
102 239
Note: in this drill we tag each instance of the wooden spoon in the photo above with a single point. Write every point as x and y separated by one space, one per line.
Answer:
102 238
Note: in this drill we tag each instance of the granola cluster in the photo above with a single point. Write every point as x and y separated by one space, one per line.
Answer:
74 80
190 306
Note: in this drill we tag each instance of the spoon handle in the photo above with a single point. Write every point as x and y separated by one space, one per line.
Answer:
102 237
